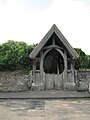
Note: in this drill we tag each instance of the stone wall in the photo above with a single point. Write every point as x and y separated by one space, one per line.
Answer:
82 79
14 81
20 81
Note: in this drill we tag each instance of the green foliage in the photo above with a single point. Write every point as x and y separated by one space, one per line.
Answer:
15 55
88 61
83 62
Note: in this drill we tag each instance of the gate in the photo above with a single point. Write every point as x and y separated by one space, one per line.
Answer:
53 81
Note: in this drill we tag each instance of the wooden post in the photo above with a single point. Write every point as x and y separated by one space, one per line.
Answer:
57 69
53 40
72 69
65 66
41 66
34 70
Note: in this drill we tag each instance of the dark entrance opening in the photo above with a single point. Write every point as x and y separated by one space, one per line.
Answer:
53 62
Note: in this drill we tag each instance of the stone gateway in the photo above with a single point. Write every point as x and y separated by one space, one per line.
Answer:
53 62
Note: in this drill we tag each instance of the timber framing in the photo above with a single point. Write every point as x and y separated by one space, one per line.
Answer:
53 30
53 62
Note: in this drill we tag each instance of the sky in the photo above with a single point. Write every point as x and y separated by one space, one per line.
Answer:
30 20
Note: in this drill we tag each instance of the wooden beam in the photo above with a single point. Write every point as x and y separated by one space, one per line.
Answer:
53 40
34 70
41 66
72 69
65 66
53 46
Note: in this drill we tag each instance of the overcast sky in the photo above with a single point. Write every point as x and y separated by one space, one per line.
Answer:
30 20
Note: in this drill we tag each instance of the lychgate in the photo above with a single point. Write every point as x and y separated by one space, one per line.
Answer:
53 62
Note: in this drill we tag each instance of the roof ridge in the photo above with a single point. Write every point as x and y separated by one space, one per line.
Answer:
53 29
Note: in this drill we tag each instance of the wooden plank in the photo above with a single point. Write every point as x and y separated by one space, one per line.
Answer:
53 81
53 46
49 82
58 81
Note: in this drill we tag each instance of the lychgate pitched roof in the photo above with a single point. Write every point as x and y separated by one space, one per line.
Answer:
55 30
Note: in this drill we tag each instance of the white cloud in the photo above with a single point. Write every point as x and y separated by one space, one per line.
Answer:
72 17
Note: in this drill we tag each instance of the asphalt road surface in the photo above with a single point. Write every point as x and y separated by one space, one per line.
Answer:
27 109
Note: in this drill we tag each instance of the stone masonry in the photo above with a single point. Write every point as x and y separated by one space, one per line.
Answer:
82 79
14 81
20 81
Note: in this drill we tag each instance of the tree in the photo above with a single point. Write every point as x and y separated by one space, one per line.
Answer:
81 62
15 55
88 61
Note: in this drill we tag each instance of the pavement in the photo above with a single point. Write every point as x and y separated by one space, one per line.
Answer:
45 109
56 94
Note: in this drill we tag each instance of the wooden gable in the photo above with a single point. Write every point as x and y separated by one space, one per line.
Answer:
61 39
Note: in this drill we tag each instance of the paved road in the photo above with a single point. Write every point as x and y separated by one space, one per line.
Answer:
28 109
44 94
